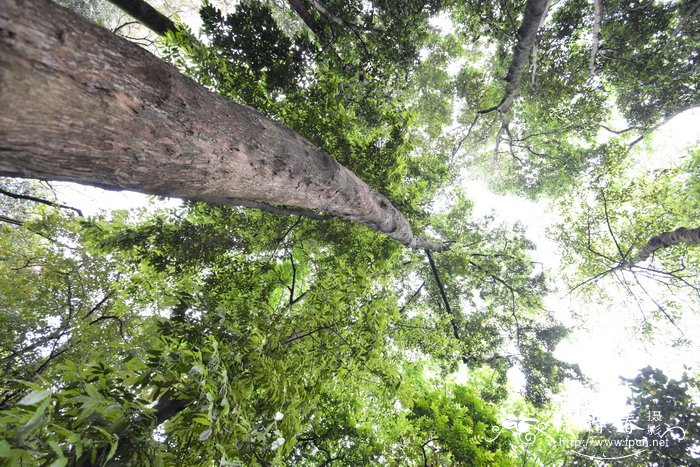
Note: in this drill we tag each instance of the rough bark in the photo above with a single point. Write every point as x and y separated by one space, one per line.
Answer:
83 105
146 15
666 239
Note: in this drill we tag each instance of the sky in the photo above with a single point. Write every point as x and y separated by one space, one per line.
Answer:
606 347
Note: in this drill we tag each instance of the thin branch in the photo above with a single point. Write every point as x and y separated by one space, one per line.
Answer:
123 25
294 280
119 320
660 308
443 294
9 220
422 446
39 200
408 302
619 132
589 280
99 304
607 221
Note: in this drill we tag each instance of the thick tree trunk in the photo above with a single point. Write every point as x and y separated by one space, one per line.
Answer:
302 11
664 240
80 104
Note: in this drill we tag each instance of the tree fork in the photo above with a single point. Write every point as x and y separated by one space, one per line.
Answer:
112 115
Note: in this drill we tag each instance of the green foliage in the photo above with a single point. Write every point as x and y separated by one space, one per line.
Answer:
650 55
664 422
215 334
604 227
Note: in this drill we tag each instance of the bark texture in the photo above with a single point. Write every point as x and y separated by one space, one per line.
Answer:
664 240
146 15
83 105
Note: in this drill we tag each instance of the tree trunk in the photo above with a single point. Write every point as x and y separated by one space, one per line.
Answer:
300 9
595 33
83 105
535 11
664 240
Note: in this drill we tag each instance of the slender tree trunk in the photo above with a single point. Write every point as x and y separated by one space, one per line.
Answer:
83 105
597 20
675 237
535 10
527 33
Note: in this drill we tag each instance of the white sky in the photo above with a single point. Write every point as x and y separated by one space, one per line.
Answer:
607 347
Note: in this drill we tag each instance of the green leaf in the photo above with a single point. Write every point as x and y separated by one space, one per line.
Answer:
36 419
61 461
5 449
203 436
35 397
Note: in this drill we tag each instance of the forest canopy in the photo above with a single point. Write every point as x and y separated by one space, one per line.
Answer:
366 315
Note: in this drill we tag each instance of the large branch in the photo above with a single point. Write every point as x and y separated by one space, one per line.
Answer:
679 236
302 11
146 15
328 14
112 115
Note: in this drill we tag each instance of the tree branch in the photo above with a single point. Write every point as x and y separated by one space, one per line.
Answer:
39 200
119 320
681 235
535 10
300 9
443 294
146 15
9 220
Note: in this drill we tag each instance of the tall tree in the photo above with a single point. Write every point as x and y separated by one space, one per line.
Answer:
147 120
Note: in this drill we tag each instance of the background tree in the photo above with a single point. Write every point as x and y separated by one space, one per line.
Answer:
663 409
619 234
